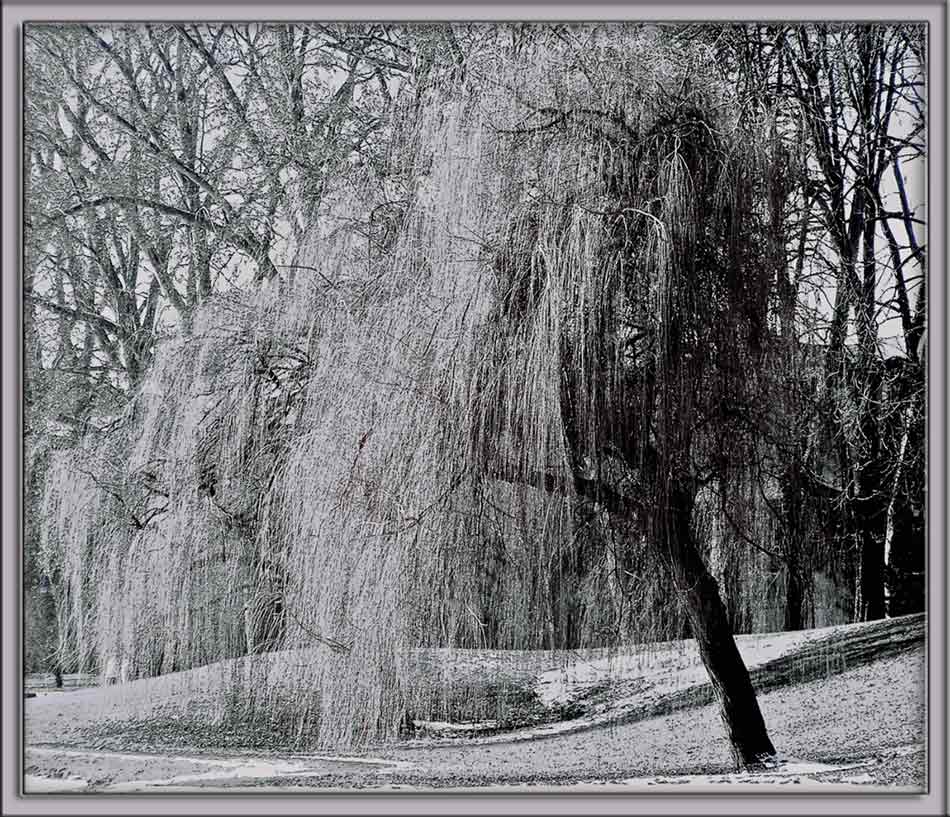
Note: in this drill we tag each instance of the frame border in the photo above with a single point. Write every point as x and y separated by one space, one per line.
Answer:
560 801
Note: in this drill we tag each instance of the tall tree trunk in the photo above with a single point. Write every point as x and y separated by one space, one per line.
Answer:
794 596
739 708
905 546
793 540
870 516
871 499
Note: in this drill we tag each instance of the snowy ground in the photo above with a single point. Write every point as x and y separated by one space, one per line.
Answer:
669 666
858 727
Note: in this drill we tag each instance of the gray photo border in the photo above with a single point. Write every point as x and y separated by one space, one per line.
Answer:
15 12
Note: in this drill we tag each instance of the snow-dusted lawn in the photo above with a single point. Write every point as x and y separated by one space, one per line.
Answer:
670 666
626 679
629 678
852 727
117 772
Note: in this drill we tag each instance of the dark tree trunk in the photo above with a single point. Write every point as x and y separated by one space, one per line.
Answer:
906 568
870 504
794 596
793 542
709 622
872 496
734 597
871 523
906 565
567 579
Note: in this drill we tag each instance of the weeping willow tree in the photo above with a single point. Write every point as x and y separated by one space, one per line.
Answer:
490 405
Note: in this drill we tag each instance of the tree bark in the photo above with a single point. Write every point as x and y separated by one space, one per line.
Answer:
871 503
905 548
872 565
793 536
794 597
739 709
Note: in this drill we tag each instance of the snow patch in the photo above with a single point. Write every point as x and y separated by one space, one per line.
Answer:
260 768
904 751
446 726
789 771
207 769
37 784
